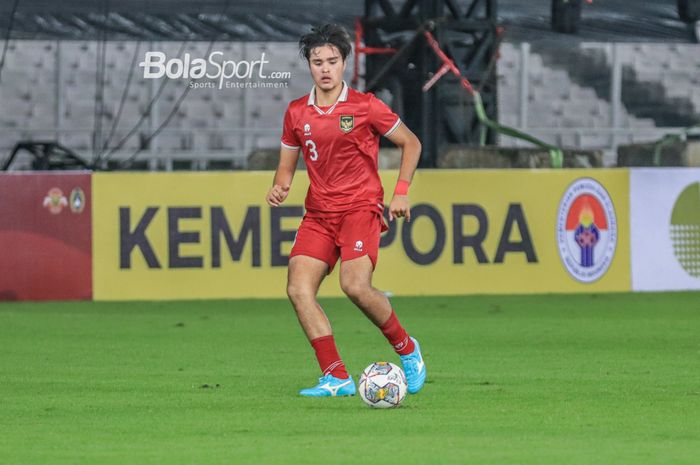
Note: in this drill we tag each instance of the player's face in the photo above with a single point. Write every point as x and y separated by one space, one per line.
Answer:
327 66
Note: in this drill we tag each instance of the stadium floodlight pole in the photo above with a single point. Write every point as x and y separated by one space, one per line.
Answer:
555 153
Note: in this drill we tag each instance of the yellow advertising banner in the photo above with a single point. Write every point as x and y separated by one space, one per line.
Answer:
211 235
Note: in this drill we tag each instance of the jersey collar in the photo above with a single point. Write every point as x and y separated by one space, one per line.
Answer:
343 97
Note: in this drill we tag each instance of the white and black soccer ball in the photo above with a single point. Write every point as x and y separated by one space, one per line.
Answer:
383 385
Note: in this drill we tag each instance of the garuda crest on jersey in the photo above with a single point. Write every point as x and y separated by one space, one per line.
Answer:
347 122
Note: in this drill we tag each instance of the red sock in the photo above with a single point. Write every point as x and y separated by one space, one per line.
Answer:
328 357
397 336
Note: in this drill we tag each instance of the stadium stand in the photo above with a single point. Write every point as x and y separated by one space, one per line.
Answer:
568 99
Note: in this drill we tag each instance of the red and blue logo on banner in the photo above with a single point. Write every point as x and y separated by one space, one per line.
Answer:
586 230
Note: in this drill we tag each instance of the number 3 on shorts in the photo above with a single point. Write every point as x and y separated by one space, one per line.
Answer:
312 150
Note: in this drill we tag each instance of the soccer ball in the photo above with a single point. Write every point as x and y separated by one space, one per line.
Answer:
383 385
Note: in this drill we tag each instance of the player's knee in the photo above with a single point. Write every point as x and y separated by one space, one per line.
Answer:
299 294
354 289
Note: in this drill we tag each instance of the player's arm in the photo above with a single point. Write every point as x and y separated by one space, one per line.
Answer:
283 176
410 154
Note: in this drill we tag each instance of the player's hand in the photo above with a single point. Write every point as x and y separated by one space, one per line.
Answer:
399 208
277 194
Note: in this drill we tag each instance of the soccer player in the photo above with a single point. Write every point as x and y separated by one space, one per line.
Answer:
338 130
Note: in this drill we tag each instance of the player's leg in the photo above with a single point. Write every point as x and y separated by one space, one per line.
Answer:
313 255
356 283
359 240
304 276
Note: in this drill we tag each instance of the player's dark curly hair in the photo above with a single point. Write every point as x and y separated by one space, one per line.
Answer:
328 34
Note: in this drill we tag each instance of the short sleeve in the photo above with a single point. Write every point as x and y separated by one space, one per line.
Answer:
289 139
382 119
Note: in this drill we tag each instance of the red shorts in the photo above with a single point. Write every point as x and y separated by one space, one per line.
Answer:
347 236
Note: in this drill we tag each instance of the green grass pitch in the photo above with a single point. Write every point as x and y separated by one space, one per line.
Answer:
557 379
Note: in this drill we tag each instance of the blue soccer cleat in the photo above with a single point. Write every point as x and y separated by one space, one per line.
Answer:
330 386
414 367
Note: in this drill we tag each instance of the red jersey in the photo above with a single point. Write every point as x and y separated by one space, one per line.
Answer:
341 146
